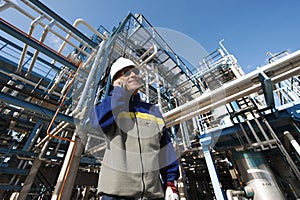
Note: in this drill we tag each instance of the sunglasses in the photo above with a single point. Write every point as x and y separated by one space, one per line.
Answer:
127 72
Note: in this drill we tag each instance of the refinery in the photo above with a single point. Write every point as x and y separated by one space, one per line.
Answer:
236 135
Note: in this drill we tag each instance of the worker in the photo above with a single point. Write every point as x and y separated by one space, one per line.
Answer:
139 160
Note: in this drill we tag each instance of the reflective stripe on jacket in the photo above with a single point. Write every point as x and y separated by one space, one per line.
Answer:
139 150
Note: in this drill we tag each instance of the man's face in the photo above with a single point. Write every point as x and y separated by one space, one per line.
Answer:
128 78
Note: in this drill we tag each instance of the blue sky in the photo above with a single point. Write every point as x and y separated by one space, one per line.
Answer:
250 28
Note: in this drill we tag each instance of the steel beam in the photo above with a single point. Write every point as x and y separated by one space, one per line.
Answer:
35 108
13 31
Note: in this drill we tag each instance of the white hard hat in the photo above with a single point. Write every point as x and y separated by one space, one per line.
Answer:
120 64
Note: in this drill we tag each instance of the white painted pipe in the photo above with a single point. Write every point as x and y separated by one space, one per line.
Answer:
279 70
24 52
36 53
76 24
231 193
292 140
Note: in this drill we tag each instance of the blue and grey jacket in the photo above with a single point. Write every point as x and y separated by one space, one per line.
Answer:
139 155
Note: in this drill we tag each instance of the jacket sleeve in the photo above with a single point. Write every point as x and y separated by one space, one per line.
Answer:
168 159
108 110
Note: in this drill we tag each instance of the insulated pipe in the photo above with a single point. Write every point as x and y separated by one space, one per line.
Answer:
158 88
74 113
6 6
292 140
203 103
11 4
75 24
36 53
24 52
89 80
147 85
63 22
13 31
279 70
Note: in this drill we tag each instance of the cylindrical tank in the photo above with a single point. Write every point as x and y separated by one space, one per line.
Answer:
255 173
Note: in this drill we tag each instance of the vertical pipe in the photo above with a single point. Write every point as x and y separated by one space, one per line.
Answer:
147 86
36 53
70 179
158 89
24 52
257 174
63 170
292 140
30 179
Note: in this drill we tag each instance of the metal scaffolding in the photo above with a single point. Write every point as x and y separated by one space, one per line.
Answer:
237 135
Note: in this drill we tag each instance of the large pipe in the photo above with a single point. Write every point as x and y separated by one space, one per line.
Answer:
292 140
75 24
248 84
257 174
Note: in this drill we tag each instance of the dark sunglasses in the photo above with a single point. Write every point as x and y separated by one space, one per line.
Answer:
127 72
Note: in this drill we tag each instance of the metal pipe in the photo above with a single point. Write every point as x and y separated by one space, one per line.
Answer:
11 4
36 53
63 171
63 22
90 78
158 88
30 179
74 113
24 52
16 77
231 193
76 24
292 140
248 84
13 31
288 158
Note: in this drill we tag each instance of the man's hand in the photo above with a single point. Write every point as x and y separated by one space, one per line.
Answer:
119 83
171 192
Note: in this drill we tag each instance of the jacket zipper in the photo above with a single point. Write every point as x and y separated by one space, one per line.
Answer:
141 157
